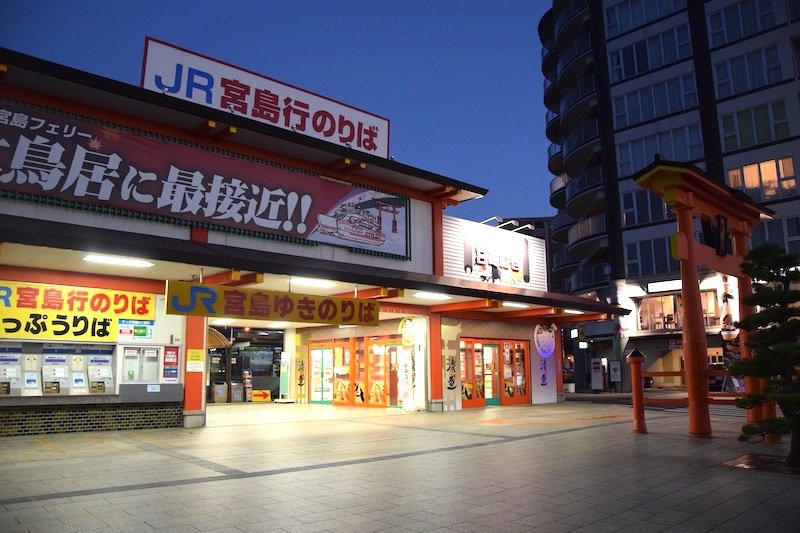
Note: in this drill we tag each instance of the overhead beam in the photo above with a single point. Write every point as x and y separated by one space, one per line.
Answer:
375 293
234 278
466 306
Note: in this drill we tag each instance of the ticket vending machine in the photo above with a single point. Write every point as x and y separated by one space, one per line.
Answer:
31 374
79 384
10 373
55 374
101 374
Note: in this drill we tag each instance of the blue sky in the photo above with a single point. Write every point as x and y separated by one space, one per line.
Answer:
460 80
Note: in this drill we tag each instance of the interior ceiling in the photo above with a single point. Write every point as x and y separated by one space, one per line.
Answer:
40 257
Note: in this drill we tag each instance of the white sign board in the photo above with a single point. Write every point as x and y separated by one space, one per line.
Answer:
491 255
205 81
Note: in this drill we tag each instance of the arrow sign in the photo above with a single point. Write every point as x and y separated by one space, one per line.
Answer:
262 395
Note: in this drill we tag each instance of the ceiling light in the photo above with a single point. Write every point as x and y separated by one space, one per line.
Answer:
277 325
117 261
516 304
573 312
311 282
431 296
222 321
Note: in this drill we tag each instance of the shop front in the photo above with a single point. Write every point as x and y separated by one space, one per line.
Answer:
385 302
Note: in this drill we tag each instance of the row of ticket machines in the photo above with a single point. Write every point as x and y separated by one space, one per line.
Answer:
64 374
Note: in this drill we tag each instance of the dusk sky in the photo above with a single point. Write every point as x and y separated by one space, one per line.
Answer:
459 81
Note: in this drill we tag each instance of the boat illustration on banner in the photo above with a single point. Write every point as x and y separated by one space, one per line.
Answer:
356 222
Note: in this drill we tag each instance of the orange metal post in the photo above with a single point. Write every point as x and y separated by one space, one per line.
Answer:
193 382
635 359
694 335
435 361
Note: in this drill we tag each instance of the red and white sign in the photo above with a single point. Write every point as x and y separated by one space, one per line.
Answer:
190 76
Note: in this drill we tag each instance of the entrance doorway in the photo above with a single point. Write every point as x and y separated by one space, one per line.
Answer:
368 371
483 361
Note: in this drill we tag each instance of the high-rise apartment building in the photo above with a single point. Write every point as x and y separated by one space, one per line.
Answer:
712 83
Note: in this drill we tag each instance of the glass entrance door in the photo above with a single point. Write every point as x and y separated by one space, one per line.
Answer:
515 373
342 386
472 375
491 380
321 375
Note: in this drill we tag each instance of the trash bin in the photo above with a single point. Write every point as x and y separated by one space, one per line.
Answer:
237 392
220 392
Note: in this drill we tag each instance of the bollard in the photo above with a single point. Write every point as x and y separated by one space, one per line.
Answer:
635 359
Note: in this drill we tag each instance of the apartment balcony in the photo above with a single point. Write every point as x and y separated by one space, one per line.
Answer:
577 103
562 263
559 227
585 193
555 158
579 146
571 63
553 125
588 236
591 277
568 17
558 187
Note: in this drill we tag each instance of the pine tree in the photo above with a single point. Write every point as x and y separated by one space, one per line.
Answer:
774 338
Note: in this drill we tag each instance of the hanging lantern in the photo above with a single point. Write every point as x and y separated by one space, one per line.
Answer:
729 332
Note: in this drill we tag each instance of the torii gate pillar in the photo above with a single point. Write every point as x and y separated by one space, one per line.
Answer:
693 194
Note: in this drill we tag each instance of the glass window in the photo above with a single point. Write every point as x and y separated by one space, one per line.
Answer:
620 112
660 97
716 33
642 61
642 212
772 62
762 124
735 178
746 132
632 252
655 52
755 68
769 179
646 251
668 45
723 80
648 110
733 26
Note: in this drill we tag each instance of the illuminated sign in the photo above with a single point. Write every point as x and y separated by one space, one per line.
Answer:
491 255
61 312
194 299
205 81
70 159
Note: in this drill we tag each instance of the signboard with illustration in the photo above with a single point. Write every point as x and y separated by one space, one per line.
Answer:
190 76
58 156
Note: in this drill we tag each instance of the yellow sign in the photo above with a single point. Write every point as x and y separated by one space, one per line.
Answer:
61 312
194 299
195 360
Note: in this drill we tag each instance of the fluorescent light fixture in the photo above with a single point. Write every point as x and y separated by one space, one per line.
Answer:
343 326
311 282
665 286
117 261
277 325
431 296
222 321
573 333
572 312
516 304
583 345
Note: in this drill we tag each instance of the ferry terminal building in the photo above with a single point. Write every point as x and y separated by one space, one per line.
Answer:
238 190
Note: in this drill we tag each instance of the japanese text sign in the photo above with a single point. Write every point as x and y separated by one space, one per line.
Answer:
67 158
184 298
205 81
61 312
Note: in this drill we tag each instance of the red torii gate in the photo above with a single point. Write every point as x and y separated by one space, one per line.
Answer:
691 194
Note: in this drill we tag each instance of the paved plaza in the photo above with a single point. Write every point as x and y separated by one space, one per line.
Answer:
574 466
